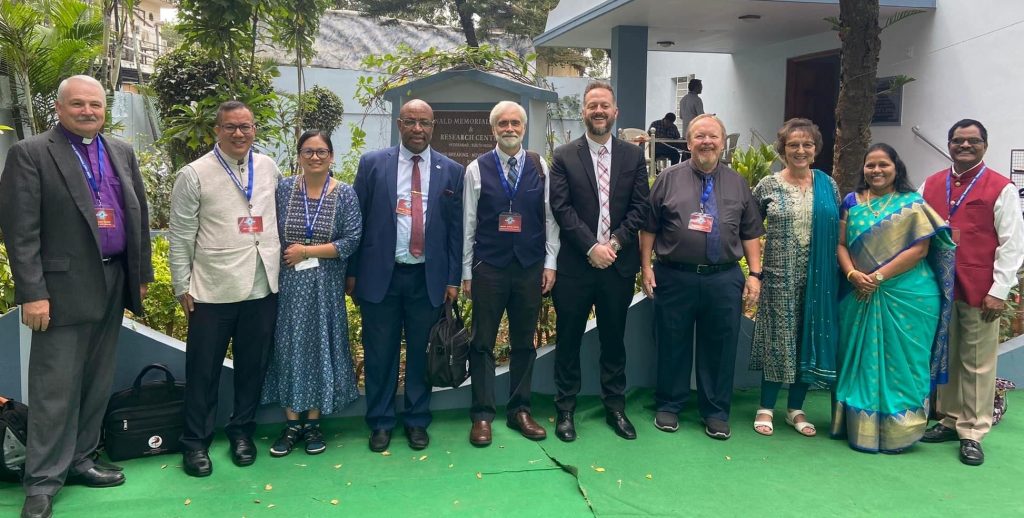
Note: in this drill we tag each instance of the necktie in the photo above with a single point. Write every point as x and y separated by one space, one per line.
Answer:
604 223
416 238
714 242
512 175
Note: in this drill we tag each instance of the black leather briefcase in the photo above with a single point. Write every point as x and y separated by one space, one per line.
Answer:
448 349
145 419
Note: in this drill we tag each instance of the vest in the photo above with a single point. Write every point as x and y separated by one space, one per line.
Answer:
498 248
975 219
225 262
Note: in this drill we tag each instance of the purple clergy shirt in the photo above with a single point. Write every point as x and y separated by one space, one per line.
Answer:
112 240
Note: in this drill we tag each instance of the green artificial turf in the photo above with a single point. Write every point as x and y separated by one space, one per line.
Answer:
660 474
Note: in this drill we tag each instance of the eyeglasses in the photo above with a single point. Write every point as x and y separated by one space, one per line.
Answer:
515 123
320 153
411 123
244 128
959 141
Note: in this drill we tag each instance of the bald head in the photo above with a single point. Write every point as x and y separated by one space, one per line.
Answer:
81 105
416 125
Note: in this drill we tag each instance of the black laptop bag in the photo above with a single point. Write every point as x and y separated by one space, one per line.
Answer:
145 419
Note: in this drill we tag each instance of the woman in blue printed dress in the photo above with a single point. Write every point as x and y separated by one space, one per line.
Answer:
311 369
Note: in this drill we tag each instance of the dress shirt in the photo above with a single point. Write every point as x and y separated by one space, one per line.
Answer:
112 240
602 200
664 129
470 197
690 106
404 223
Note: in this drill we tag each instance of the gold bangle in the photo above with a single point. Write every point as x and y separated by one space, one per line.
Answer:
304 256
850 273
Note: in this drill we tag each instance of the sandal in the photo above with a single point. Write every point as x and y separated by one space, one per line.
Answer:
802 426
767 424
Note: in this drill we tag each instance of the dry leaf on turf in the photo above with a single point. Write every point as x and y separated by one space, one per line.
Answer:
551 419
337 466
334 501
598 469
385 453
479 475
188 501
649 477
424 457
271 506
256 501
164 466
451 466
728 457
268 487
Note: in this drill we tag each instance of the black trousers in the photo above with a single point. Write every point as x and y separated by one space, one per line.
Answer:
70 370
712 304
496 290
574 295
406 307
249 326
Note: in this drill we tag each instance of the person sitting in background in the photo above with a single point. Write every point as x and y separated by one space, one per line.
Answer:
666 128
311 367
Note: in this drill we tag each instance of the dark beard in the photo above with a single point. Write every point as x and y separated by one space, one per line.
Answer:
598 132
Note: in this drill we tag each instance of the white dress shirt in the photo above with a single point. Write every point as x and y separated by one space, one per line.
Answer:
404 223
471 197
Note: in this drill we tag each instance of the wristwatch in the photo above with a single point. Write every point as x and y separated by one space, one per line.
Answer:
879 277
756 275
614 243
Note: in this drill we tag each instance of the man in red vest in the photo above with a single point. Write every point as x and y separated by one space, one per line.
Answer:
981 206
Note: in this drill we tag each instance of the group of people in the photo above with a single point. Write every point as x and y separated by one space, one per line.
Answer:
260 262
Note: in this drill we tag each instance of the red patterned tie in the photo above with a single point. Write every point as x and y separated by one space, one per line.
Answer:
416 238
604 226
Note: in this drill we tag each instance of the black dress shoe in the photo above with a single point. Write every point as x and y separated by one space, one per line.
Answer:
417 436
565 428
939 433
96 477
104 464
970 452
620 423
197 463
37 506
243 452
380 440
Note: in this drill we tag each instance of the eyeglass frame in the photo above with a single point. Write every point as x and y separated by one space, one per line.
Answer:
232 128
321 153
412 123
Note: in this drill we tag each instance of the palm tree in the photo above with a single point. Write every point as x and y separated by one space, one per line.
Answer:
42 42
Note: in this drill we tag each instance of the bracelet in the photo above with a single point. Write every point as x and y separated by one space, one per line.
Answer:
849 274
304 256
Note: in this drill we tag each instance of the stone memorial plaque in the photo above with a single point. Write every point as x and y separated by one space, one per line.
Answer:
462 135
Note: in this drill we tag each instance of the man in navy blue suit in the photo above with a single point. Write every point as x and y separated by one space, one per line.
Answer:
408 263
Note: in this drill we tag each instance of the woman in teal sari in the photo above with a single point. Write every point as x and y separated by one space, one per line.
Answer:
896 253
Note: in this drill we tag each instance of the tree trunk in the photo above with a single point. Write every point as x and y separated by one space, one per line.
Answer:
466 21
856 105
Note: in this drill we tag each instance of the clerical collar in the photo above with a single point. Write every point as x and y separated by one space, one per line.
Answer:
76 138
968 173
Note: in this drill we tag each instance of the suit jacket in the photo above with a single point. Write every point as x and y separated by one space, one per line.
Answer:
376 185
49 225
575 204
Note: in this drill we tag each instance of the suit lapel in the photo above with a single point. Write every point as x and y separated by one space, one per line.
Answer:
69 167
391 182
616 165
583 150
437 184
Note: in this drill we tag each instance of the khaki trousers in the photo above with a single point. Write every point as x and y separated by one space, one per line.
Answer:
967 400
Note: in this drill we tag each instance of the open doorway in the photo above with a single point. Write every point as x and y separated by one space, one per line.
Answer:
812 90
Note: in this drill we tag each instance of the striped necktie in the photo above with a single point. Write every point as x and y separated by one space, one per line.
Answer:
604 224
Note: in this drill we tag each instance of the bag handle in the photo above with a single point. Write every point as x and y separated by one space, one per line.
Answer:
452 313
155 366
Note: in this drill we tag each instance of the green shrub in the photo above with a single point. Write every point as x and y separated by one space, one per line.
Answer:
163 313
753 163
6 282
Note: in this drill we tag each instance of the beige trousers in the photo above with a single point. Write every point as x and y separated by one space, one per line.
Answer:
967 400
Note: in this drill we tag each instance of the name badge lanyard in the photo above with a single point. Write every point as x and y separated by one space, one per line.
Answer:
953 207
709 187
310 223
93 179
510 190
247 190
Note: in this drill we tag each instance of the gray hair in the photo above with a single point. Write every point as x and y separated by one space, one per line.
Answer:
81 77
702 117
501 107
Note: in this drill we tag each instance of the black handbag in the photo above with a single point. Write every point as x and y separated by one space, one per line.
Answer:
146 419
448 349
13 438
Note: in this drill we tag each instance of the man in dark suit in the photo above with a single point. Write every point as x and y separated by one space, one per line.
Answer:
598 192
408 263
74 217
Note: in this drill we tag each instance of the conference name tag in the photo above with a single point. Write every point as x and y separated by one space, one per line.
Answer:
307 264
404 207
250 224
105 217
701 222
510 222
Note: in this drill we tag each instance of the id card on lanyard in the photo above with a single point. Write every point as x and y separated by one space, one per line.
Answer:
702 221
509 221
955 206
249 224
105 215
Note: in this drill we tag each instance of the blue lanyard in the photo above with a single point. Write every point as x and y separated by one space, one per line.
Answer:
319 205
247 190
953 207
510 190
709 187
94 180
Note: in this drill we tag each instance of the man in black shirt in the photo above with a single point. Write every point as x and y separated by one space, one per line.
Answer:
666 128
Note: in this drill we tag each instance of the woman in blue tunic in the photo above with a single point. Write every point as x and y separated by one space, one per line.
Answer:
897 254
311 369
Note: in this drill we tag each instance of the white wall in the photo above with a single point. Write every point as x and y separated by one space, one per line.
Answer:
714 70
965 58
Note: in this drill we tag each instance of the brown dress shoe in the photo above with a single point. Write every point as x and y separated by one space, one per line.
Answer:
480 434
524 422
